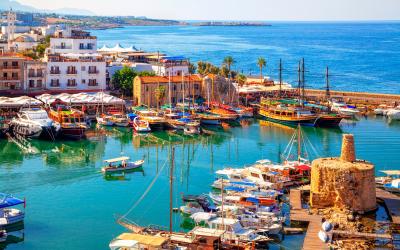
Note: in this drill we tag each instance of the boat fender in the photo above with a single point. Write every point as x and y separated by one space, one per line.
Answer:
327 226
323 236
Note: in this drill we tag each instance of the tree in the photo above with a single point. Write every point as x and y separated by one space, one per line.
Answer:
201 67
224 71
228 62
261 62
160 94
241 79
192 68
123 80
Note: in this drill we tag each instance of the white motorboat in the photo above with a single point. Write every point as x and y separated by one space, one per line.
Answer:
34 123
8 214
123 165
120 120
393 186
140 125
192 128
343 109
394 114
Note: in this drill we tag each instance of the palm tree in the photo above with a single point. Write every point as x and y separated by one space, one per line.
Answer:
159 94
241 79
229 61
261 62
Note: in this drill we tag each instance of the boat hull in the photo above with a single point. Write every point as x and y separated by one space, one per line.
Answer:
328 121
73 133
26 130
129 167
304 121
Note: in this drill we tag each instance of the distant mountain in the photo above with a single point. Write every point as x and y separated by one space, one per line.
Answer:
15 5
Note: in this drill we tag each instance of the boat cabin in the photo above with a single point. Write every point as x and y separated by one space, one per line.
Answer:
138 242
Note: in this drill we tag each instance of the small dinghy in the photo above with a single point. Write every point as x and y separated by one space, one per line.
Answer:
141 126
121 164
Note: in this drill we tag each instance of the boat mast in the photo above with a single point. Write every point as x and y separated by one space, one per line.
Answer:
299 142
222 202
299 80
303 80
280 77
169 92
208 93
327 91
183 95
171 177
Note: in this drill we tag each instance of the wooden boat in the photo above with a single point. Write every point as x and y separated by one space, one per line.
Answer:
328 120
226 115
8 214
140 125
209 119
123 166
72 121
119 120
104 120
155 121
192 128
288 115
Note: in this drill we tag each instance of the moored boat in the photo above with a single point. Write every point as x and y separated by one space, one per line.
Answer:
140 125
119 120
209 119
328 120
72 121
122 166
104 120
289 115
8 214
155 121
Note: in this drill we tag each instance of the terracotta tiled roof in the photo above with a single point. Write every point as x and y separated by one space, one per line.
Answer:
165 79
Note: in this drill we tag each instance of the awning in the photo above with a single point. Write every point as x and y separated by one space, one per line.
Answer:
124 158
391 172
236 189
7 200
118 244
303 167
147 240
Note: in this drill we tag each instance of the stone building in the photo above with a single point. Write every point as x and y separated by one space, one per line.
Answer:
344 182
11 72
145 89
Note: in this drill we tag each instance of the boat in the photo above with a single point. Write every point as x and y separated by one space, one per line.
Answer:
342 108
123 166
328 120
72 121
191 127
140 125
155 121
173 121
225 115
9 215
119 119
394 113
34 123
287 112
390 175
105 120
209 119
393 186
196 203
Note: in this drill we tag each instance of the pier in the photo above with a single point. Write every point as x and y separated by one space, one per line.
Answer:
312 241
392 203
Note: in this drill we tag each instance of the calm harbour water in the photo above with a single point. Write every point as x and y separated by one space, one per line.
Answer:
361 56
70 205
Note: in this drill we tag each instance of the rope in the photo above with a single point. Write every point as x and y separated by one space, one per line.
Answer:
146 191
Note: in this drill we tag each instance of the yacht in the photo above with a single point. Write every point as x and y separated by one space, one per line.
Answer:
34 123
394 114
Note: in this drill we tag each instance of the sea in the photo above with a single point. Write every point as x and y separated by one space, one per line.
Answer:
71 205
361 56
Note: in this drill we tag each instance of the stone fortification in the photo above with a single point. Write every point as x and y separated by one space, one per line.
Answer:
343 183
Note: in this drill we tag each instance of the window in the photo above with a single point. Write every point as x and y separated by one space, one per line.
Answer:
196 86
31 73
5 74
92 82
83 81
71 70
15 75
81 46
89 46
71 83
14 64
55 83
54 70
174 87
39 83
92 70
39 73
31 83
5 64
63 45
83 68
147 88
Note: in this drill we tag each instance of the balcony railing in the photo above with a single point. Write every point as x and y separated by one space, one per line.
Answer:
37 75
9 67
93 84
55 85
72 72
9 78
71 85
93 72
86 48
62 47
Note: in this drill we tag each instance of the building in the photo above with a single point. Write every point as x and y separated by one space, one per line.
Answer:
169 65
146 87
11 72
73 64
83 72
72 41
34 75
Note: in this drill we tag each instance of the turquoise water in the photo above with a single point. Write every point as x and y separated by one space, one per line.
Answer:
361 56
70 205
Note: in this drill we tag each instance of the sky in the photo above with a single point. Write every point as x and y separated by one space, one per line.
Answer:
273 10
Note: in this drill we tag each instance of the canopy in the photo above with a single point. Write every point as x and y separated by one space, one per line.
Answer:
303 167
7 200
202 216
243 183
236 189
82 98
147 240
123 158
118 244
391 172
117 48
252 199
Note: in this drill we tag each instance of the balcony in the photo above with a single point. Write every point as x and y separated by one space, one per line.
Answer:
62 47
55 72
9 79
71 85
86 48
9 67
72 72
55 85
93 72
38 75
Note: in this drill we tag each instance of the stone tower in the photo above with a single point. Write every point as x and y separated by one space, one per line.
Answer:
343 183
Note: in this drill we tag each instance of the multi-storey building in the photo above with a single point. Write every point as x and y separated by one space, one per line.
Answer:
145 89
73 65
34 75
11 72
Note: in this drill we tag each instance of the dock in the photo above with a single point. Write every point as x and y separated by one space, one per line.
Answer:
297 213
392 203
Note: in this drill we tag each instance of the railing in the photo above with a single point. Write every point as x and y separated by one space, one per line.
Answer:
54 72
72 72
9 67
36 75
55 85
92 72
93 84
62 47
9 78
86 48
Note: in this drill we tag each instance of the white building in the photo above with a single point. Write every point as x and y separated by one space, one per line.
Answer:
34 75
72 41
73 63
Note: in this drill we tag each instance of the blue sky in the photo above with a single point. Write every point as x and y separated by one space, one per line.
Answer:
236 9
